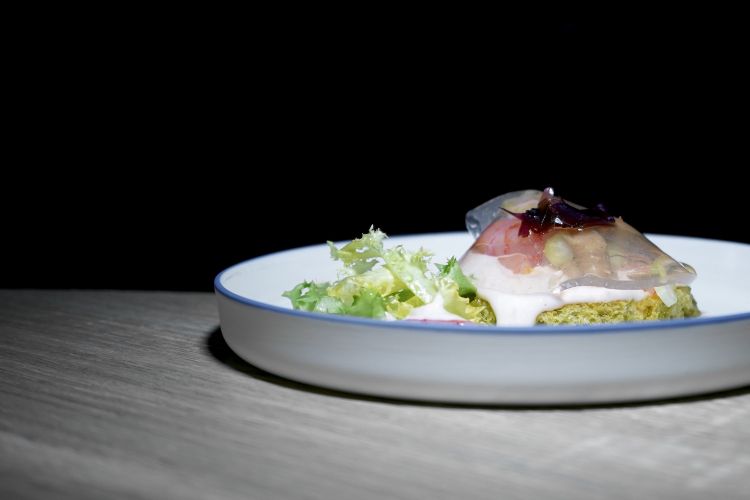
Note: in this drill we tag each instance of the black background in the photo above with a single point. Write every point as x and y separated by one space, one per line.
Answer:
153 160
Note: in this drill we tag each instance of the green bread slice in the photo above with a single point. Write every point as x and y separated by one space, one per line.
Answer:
650 308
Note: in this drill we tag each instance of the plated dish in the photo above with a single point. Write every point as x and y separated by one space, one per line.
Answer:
536 259
493 364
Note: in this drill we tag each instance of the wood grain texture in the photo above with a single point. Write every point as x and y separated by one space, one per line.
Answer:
135 395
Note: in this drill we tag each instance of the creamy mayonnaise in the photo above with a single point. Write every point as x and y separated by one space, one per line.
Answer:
434 311
517 299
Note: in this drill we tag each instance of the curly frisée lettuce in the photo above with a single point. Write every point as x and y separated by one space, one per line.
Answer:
390 283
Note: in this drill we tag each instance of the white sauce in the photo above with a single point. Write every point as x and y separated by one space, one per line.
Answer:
521 309
434 311
518 299
486 271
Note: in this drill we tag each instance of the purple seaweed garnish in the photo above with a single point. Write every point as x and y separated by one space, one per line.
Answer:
553 211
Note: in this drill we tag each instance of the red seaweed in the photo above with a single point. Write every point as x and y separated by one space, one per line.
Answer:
553 211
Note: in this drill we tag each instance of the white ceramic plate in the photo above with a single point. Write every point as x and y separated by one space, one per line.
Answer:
478 364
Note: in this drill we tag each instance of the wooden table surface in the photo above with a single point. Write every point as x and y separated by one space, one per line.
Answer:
135 395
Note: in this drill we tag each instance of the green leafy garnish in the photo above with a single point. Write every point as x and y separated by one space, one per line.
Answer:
377 281
453 271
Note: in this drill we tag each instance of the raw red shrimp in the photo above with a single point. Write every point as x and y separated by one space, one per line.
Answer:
518 253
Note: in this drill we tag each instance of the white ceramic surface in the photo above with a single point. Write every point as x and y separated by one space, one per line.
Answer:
475 364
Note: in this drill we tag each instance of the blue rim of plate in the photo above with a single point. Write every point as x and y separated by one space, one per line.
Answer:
472 328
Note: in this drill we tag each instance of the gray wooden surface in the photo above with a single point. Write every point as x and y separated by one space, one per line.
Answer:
135 395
